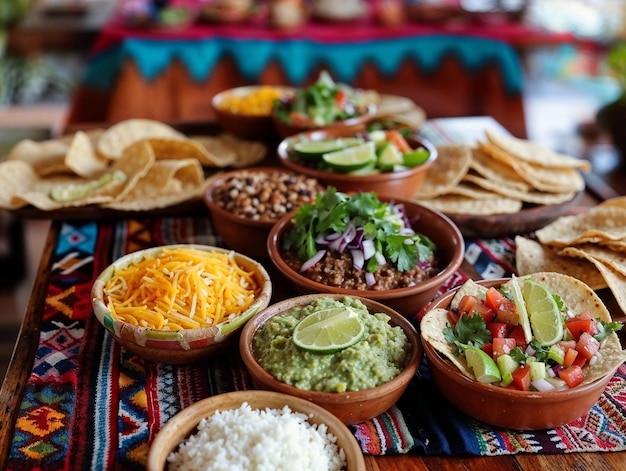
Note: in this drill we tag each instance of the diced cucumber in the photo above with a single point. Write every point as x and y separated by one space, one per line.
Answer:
558 383
506 364
556 354
537 370
389 157
75 191
377 135
507 378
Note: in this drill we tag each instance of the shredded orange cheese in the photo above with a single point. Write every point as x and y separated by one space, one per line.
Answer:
181 288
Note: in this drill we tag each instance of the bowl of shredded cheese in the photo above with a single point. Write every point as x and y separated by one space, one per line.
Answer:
179 303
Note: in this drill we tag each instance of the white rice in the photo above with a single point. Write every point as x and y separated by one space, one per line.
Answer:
258 440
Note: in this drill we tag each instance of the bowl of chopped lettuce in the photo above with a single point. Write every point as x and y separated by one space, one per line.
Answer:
525 353
390 250
323 104
385 161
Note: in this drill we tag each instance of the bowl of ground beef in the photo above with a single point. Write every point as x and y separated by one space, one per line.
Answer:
356 372
245 203
404 271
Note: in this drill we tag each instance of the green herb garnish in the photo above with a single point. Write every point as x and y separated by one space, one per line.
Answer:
380 222
468 331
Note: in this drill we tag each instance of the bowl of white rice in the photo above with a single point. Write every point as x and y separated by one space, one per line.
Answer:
254 430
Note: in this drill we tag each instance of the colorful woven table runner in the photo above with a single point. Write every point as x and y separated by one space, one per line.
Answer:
90 404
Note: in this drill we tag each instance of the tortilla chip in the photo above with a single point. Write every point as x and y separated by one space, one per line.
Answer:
16 176
618 202
45 157
168 148
167 182
614 259
535 197
532 257
535 154
599 224
223 154
393 104
458 204
497 171
115 139
451 165
81 157
614 279
136 161
247 152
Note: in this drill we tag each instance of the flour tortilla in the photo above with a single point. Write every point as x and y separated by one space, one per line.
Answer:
575 295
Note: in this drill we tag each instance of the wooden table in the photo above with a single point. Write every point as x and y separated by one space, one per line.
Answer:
20 368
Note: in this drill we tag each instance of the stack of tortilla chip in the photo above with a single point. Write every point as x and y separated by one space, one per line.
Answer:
398 112
500 176
590 246
161 167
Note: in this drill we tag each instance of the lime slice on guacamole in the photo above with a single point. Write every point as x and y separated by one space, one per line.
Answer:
329 330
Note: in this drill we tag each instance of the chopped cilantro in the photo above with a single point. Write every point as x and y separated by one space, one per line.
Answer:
469 330
607 328
381 222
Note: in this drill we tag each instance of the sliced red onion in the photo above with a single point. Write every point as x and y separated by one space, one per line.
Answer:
333 236
322 240
348 236
358 238
369 248
357 258
407 231
313 260
542 385
530 351
370 280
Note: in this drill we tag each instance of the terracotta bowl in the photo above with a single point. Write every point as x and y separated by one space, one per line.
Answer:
244 234
521 410
176 347
246 126
349 407
402 184
185 423
289 129
408 301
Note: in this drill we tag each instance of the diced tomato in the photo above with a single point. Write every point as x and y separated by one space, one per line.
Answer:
572 375
498 329
507 313
517 333
467 303
567 344
580 361
398 140
485 311
502 346
577 326
587 346
340 98
453 317
521 377
585 315
488 349
494 298
570 357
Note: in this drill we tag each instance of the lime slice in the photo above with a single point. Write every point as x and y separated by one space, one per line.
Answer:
351 158
313 150
545 317
482 365
328 330
369 169
389 156
415 157
520 307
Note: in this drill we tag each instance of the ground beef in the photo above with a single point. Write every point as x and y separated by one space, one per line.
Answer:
338 270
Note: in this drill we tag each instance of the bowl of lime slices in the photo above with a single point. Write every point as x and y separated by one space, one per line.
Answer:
352 356
384 161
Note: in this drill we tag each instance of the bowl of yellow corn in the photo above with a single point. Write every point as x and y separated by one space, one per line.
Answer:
180 303
247 111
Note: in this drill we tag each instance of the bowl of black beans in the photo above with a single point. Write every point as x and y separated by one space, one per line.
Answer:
245 203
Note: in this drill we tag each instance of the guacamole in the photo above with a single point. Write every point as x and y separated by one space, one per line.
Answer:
378 357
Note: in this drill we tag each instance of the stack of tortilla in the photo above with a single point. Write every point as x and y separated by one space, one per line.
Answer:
160 167
589 246
500 176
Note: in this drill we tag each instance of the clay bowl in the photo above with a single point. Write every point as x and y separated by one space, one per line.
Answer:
289 129
402 184
234 222
246 126
408 301
349 407
184 346
520 410
185 423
